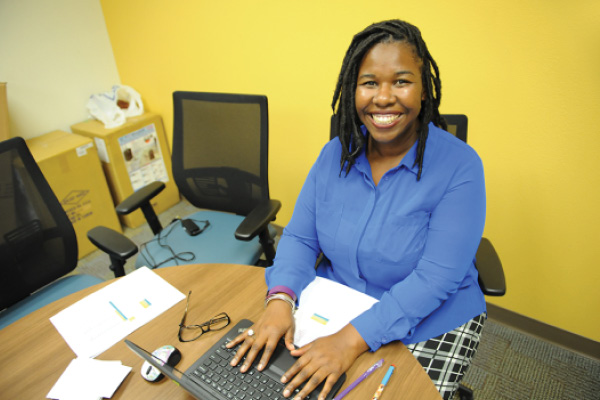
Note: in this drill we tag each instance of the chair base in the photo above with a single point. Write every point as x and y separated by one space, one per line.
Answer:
464 392
216 244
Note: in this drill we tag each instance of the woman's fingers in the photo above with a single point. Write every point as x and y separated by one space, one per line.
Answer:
289 339
237 340
255 347
329 382
245 341
264 335
311 379
296 375
325 359
314 382
268 350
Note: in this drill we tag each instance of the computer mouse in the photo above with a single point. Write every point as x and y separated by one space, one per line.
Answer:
168 354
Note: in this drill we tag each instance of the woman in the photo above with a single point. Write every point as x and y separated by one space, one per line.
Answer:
397 207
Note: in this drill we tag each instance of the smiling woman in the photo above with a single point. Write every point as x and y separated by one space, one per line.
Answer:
392 220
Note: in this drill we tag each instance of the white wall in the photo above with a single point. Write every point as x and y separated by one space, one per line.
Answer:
53 56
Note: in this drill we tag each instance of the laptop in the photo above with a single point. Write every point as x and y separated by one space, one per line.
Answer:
212 378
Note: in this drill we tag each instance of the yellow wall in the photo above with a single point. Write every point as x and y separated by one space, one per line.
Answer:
526 74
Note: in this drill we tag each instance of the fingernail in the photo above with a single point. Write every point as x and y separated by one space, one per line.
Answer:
286 393
283 379
260 367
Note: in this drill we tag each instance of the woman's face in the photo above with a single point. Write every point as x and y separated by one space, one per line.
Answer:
389 92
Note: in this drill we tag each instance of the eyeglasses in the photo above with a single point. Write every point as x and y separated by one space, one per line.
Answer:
189 333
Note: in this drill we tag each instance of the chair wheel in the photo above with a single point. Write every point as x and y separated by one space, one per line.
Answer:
465 392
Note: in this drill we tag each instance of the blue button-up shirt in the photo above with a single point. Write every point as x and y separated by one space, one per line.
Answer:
409 243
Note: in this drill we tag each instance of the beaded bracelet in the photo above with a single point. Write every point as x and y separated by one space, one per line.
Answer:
281 296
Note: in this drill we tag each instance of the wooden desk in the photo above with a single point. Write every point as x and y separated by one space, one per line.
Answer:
33 355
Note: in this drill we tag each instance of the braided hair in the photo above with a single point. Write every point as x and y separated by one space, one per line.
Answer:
348 123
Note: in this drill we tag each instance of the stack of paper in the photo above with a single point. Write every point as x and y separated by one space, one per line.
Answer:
89 379
325 307
98 321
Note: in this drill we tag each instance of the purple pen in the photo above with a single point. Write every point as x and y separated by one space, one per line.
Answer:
359 379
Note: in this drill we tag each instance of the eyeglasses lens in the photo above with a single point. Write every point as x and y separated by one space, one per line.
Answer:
193 332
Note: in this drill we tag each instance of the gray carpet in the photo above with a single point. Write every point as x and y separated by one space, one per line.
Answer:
508 365
513 365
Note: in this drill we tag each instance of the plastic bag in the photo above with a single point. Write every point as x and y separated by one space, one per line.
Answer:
113 107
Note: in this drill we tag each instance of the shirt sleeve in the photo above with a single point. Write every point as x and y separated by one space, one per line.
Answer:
298 248
454 232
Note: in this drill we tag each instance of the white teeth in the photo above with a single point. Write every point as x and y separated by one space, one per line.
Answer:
384 119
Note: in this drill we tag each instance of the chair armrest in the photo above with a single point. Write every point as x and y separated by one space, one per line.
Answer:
112 242
139 197
491 274
257 220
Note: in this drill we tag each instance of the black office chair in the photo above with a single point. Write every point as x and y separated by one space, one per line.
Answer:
38 246
220 164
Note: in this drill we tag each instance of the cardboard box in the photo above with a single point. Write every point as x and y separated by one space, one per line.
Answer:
134 155
3 113
71 166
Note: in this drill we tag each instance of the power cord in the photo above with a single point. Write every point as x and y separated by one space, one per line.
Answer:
161 240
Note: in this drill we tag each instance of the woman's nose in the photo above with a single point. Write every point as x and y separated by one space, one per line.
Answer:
384 96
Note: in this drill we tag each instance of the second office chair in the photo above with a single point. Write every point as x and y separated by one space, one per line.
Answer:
220 165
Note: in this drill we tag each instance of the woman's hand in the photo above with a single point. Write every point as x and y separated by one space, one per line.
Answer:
325 359
276 321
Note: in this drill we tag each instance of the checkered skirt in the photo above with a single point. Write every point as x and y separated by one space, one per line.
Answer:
446 358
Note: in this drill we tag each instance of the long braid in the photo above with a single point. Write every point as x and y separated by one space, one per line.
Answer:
349 132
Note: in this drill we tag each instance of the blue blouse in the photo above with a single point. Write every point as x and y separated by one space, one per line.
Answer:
409 243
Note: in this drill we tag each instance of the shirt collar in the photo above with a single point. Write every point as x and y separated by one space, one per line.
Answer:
408 161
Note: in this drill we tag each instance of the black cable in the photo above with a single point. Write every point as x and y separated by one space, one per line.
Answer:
160 239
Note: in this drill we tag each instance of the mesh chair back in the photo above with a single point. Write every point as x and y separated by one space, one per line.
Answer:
220 150
457 125
37 241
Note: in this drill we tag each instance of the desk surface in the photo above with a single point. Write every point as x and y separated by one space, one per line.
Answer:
34 355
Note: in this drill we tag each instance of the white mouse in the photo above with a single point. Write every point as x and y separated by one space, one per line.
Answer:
168 354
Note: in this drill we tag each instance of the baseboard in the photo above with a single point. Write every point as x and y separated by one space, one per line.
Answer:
565 339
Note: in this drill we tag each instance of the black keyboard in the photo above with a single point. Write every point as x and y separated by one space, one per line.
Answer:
217 372
213 373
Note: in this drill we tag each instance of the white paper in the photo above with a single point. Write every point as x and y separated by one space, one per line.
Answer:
86 378
325 307
98 321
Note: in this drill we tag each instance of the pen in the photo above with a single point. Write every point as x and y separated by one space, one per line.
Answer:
384 382
359 379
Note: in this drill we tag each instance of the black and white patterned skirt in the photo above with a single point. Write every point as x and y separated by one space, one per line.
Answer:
446 358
